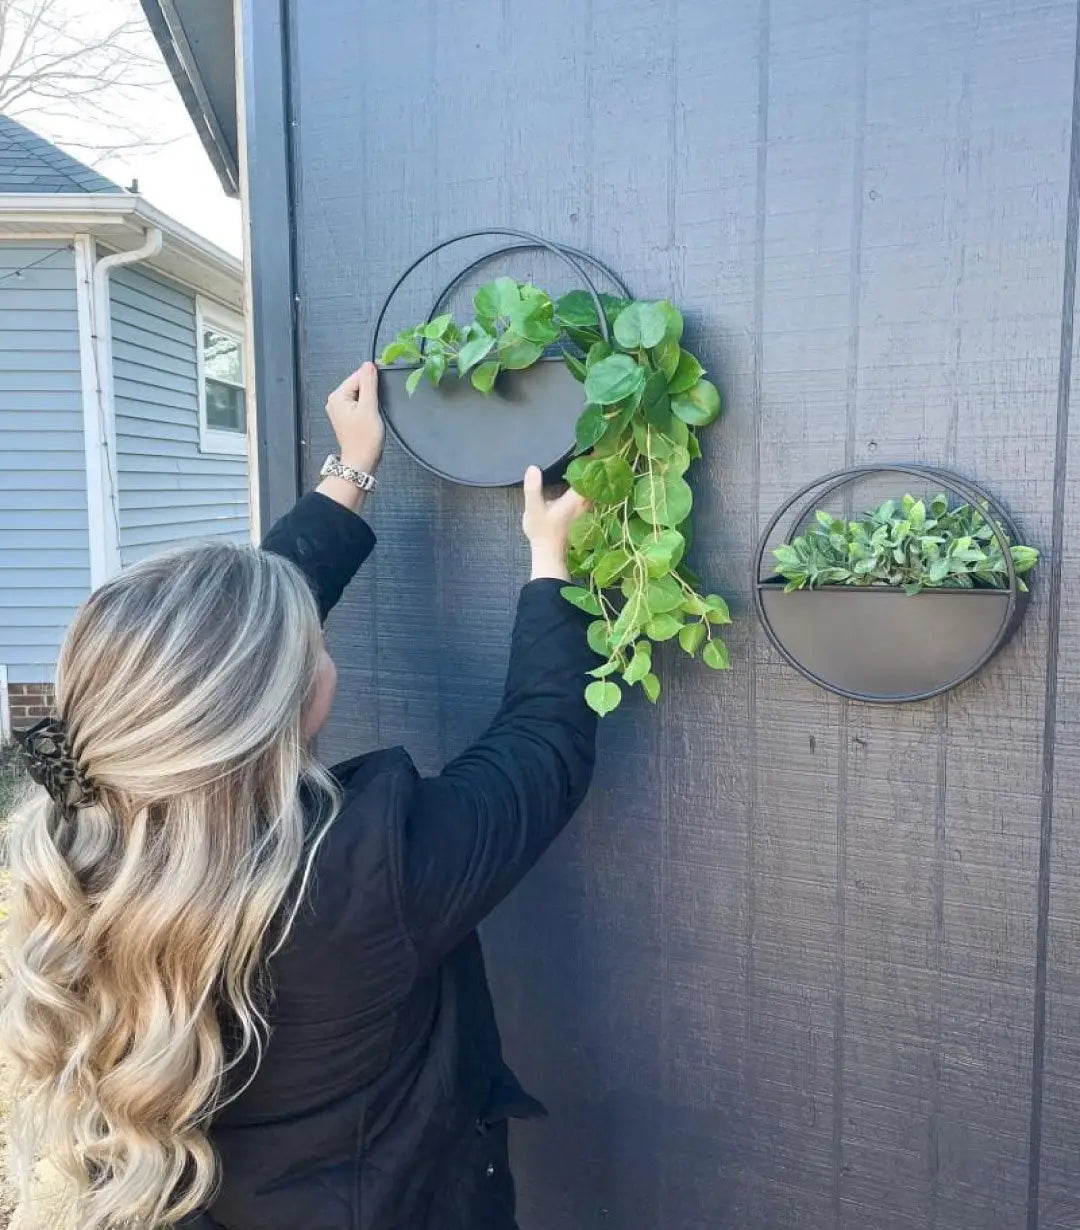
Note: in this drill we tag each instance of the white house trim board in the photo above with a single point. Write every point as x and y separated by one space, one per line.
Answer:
5 705
212 315
99 412
121 221
104 529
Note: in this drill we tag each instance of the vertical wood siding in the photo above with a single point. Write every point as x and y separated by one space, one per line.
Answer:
800 962
170 492
44 551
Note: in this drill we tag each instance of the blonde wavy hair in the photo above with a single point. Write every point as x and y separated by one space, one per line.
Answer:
143 922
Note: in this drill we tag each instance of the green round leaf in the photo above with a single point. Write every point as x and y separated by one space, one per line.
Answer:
613 379
677 461
688 371
576 310
717 610
666 357
641 324
413 380
483 377
651 441
663 628
610 565
650 685
603 697
597 636
699 406
673 321
575 365
486 302
435 365
678 433
516 352
612 440
640 663
663 552
596 352
716 656
583 599
631 619
609 668
507 295
472 352
586 532
532 320
437 328
664 595
602 480
612 305
691 637
663 499
590 427
402 350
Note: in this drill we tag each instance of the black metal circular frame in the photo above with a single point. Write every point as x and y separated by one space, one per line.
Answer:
575 258
1003 527
578 261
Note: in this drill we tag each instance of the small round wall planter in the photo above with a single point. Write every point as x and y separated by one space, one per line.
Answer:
489 440
878 644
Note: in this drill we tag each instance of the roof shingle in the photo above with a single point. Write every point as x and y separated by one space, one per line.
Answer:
29 163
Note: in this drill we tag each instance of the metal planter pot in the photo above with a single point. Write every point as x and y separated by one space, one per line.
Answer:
878 644
485 441
489 440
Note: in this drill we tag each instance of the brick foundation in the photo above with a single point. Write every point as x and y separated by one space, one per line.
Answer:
29 703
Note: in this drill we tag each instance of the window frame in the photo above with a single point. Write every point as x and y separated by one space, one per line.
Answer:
214 440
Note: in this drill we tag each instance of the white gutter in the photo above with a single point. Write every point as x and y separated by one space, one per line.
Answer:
85 210
120 220
99 409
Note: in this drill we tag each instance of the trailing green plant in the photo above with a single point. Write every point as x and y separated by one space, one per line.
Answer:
910 545
646 397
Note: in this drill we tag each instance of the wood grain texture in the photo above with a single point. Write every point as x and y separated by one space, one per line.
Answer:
800 962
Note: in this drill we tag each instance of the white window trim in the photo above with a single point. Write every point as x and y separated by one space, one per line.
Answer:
217 316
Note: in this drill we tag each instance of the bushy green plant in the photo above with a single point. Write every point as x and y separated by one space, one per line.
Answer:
908 545
646 398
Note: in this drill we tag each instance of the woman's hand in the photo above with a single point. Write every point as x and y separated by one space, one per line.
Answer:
547 526
353 409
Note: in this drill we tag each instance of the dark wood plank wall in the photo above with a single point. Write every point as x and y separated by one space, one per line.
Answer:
800 962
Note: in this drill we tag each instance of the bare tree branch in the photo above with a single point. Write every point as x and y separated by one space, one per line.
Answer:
91 59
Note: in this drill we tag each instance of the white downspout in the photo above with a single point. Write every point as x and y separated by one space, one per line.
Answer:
105 561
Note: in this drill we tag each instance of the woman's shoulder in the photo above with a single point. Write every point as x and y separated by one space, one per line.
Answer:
356 775
353 882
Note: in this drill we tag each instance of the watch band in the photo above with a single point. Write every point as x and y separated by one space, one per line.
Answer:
334 467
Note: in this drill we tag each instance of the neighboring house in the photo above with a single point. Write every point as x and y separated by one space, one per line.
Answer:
122 397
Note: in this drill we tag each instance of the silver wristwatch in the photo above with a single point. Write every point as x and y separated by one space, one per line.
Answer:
334 467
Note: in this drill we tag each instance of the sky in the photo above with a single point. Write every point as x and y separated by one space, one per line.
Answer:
132 125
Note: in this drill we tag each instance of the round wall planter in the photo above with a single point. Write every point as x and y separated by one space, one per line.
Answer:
878 644
481 440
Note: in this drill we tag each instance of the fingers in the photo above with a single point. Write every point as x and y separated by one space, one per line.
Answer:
571 502
534 490
368 395
362 383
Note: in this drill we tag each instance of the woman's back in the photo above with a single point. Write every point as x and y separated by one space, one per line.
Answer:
244 992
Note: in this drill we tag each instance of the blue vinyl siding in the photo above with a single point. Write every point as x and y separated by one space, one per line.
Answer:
170 492
44 546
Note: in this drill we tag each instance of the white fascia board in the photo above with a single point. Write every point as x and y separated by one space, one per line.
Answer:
120 221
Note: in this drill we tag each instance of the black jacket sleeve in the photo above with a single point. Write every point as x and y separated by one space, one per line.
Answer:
474 831
326 541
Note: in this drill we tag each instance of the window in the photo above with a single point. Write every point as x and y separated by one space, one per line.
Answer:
222 386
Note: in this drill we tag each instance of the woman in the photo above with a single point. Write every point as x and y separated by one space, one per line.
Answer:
242 991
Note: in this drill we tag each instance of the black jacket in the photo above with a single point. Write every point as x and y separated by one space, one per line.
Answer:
382 1100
